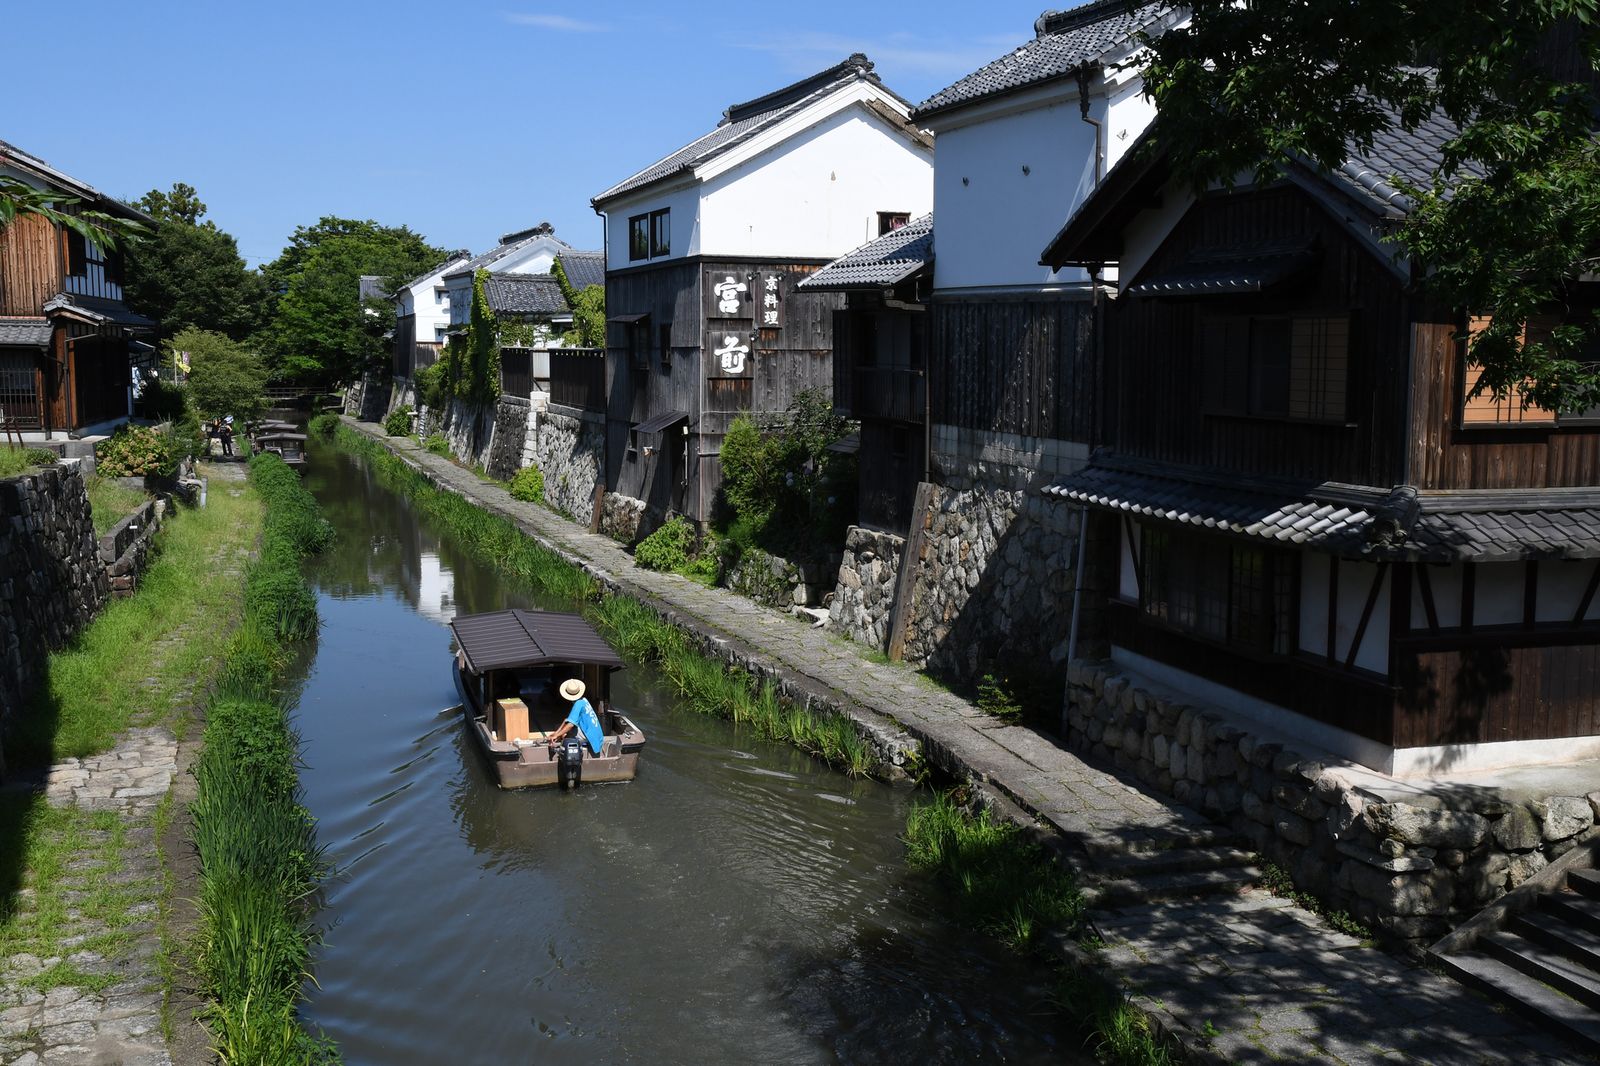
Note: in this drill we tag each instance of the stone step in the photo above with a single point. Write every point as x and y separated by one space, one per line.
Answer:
1139 864
1103 846
1193 884
1584 882
1544 964
1526 996
1579 944
1573 909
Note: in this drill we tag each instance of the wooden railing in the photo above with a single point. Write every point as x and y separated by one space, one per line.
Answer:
578 378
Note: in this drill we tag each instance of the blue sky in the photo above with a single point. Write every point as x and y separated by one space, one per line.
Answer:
463 120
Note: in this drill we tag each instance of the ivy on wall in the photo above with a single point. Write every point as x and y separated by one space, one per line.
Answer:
588 311
480 383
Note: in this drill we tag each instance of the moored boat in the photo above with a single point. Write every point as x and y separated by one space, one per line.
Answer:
290 447
509 668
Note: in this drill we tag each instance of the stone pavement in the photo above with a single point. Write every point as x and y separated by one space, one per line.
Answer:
1239 978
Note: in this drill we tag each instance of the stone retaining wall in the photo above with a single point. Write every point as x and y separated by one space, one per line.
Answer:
52 582
864 596
779 582
1411 870
568 446
125 550
620 517
511 415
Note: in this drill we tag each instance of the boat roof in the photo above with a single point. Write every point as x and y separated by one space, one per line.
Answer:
500 640
281 436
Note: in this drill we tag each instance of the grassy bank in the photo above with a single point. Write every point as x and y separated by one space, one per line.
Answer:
259 861
1002 884
705 684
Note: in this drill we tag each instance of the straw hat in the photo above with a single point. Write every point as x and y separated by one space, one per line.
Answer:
572 689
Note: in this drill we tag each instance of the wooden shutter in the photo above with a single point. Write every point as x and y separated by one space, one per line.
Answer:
1225 364
843 362
1319 364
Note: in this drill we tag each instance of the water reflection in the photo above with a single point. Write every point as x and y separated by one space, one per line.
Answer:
736 903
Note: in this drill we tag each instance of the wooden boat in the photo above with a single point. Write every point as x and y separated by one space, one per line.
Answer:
508 668
290 447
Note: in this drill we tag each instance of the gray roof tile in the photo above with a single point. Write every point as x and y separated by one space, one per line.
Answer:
1411 156
740 122
1065 41
27 332
1487 527
881 262
524 294
584 269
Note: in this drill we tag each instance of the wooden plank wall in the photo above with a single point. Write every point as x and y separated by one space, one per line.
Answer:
1494 691
1156 375
1444 456
30 265
1011 364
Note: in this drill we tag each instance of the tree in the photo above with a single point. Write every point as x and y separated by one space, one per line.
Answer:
1510 222
225 377
190 273
108 231
318 331
588 311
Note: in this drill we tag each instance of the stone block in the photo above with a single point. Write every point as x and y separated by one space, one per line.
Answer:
1524 867
1159 753
1517 830
1429 828
1256 809
1178 760
1344 816
1293 828
1298 800
1561 817
1402 863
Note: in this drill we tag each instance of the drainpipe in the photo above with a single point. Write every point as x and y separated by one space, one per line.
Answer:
1095 324
1099 130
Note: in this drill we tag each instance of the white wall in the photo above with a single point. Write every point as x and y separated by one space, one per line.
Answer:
1355 585
818 194
683 202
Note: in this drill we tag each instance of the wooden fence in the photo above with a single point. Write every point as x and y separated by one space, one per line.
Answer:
578 378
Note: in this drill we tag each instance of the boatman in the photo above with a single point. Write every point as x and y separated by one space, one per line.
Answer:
582 717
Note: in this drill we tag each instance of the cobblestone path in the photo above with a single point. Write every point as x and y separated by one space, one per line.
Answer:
1246 978
98 1000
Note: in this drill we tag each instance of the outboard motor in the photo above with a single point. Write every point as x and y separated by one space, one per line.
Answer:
569 763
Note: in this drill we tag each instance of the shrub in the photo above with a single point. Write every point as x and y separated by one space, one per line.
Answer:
136 451
528 484
433 386
161 400
398 424
324 425
783 482
438 445
667 548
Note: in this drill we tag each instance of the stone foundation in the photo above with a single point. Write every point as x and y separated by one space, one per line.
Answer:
506 441
568 446
778 582
621 516
52 581
864 596
1410 870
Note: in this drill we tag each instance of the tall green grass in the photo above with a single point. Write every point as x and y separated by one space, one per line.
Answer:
260 863
638 632
1000 883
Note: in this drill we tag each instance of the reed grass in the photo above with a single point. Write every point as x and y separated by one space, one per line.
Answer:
260 863
1115 1030
1000 883
635 630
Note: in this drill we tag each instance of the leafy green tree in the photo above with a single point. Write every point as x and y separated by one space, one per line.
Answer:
1511 220
481 382
190 273
588 307
318 331
225 376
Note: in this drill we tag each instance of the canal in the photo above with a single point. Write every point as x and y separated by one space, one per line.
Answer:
738 903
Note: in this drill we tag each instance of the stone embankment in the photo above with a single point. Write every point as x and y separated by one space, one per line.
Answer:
1238 977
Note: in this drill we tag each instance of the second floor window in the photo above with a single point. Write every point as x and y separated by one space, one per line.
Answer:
77 255
639 237
650 235
889 221
660 233
1292 367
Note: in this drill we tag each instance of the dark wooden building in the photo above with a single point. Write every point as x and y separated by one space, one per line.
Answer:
705 252
1315 521
880 361
65 332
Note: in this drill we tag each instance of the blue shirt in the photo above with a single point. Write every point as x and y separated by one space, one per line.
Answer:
588 723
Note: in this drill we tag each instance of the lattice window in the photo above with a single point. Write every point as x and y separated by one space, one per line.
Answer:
1229 592
1482 408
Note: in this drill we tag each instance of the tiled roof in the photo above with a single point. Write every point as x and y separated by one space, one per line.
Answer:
1340 519
94 310
524 294
1412 156
453 257
1222 275
14 156
740 122
509 243
584 269
884 261
1065 41
29 332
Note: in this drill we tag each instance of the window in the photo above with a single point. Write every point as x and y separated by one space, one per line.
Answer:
1229 592
639 345
665 337
889 221
633 444
438 334
1292 367
438 296
660 232
77 255
1482 409
112 263
639 237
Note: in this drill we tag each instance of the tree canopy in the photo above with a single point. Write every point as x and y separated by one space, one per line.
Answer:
1511 221
189 272
318 331
225 377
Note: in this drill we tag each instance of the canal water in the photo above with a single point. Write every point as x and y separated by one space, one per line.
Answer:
737 903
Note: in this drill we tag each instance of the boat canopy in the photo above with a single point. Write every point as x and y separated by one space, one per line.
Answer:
281 436
502 640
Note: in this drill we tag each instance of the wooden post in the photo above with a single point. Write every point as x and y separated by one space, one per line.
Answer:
599 507
906 580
